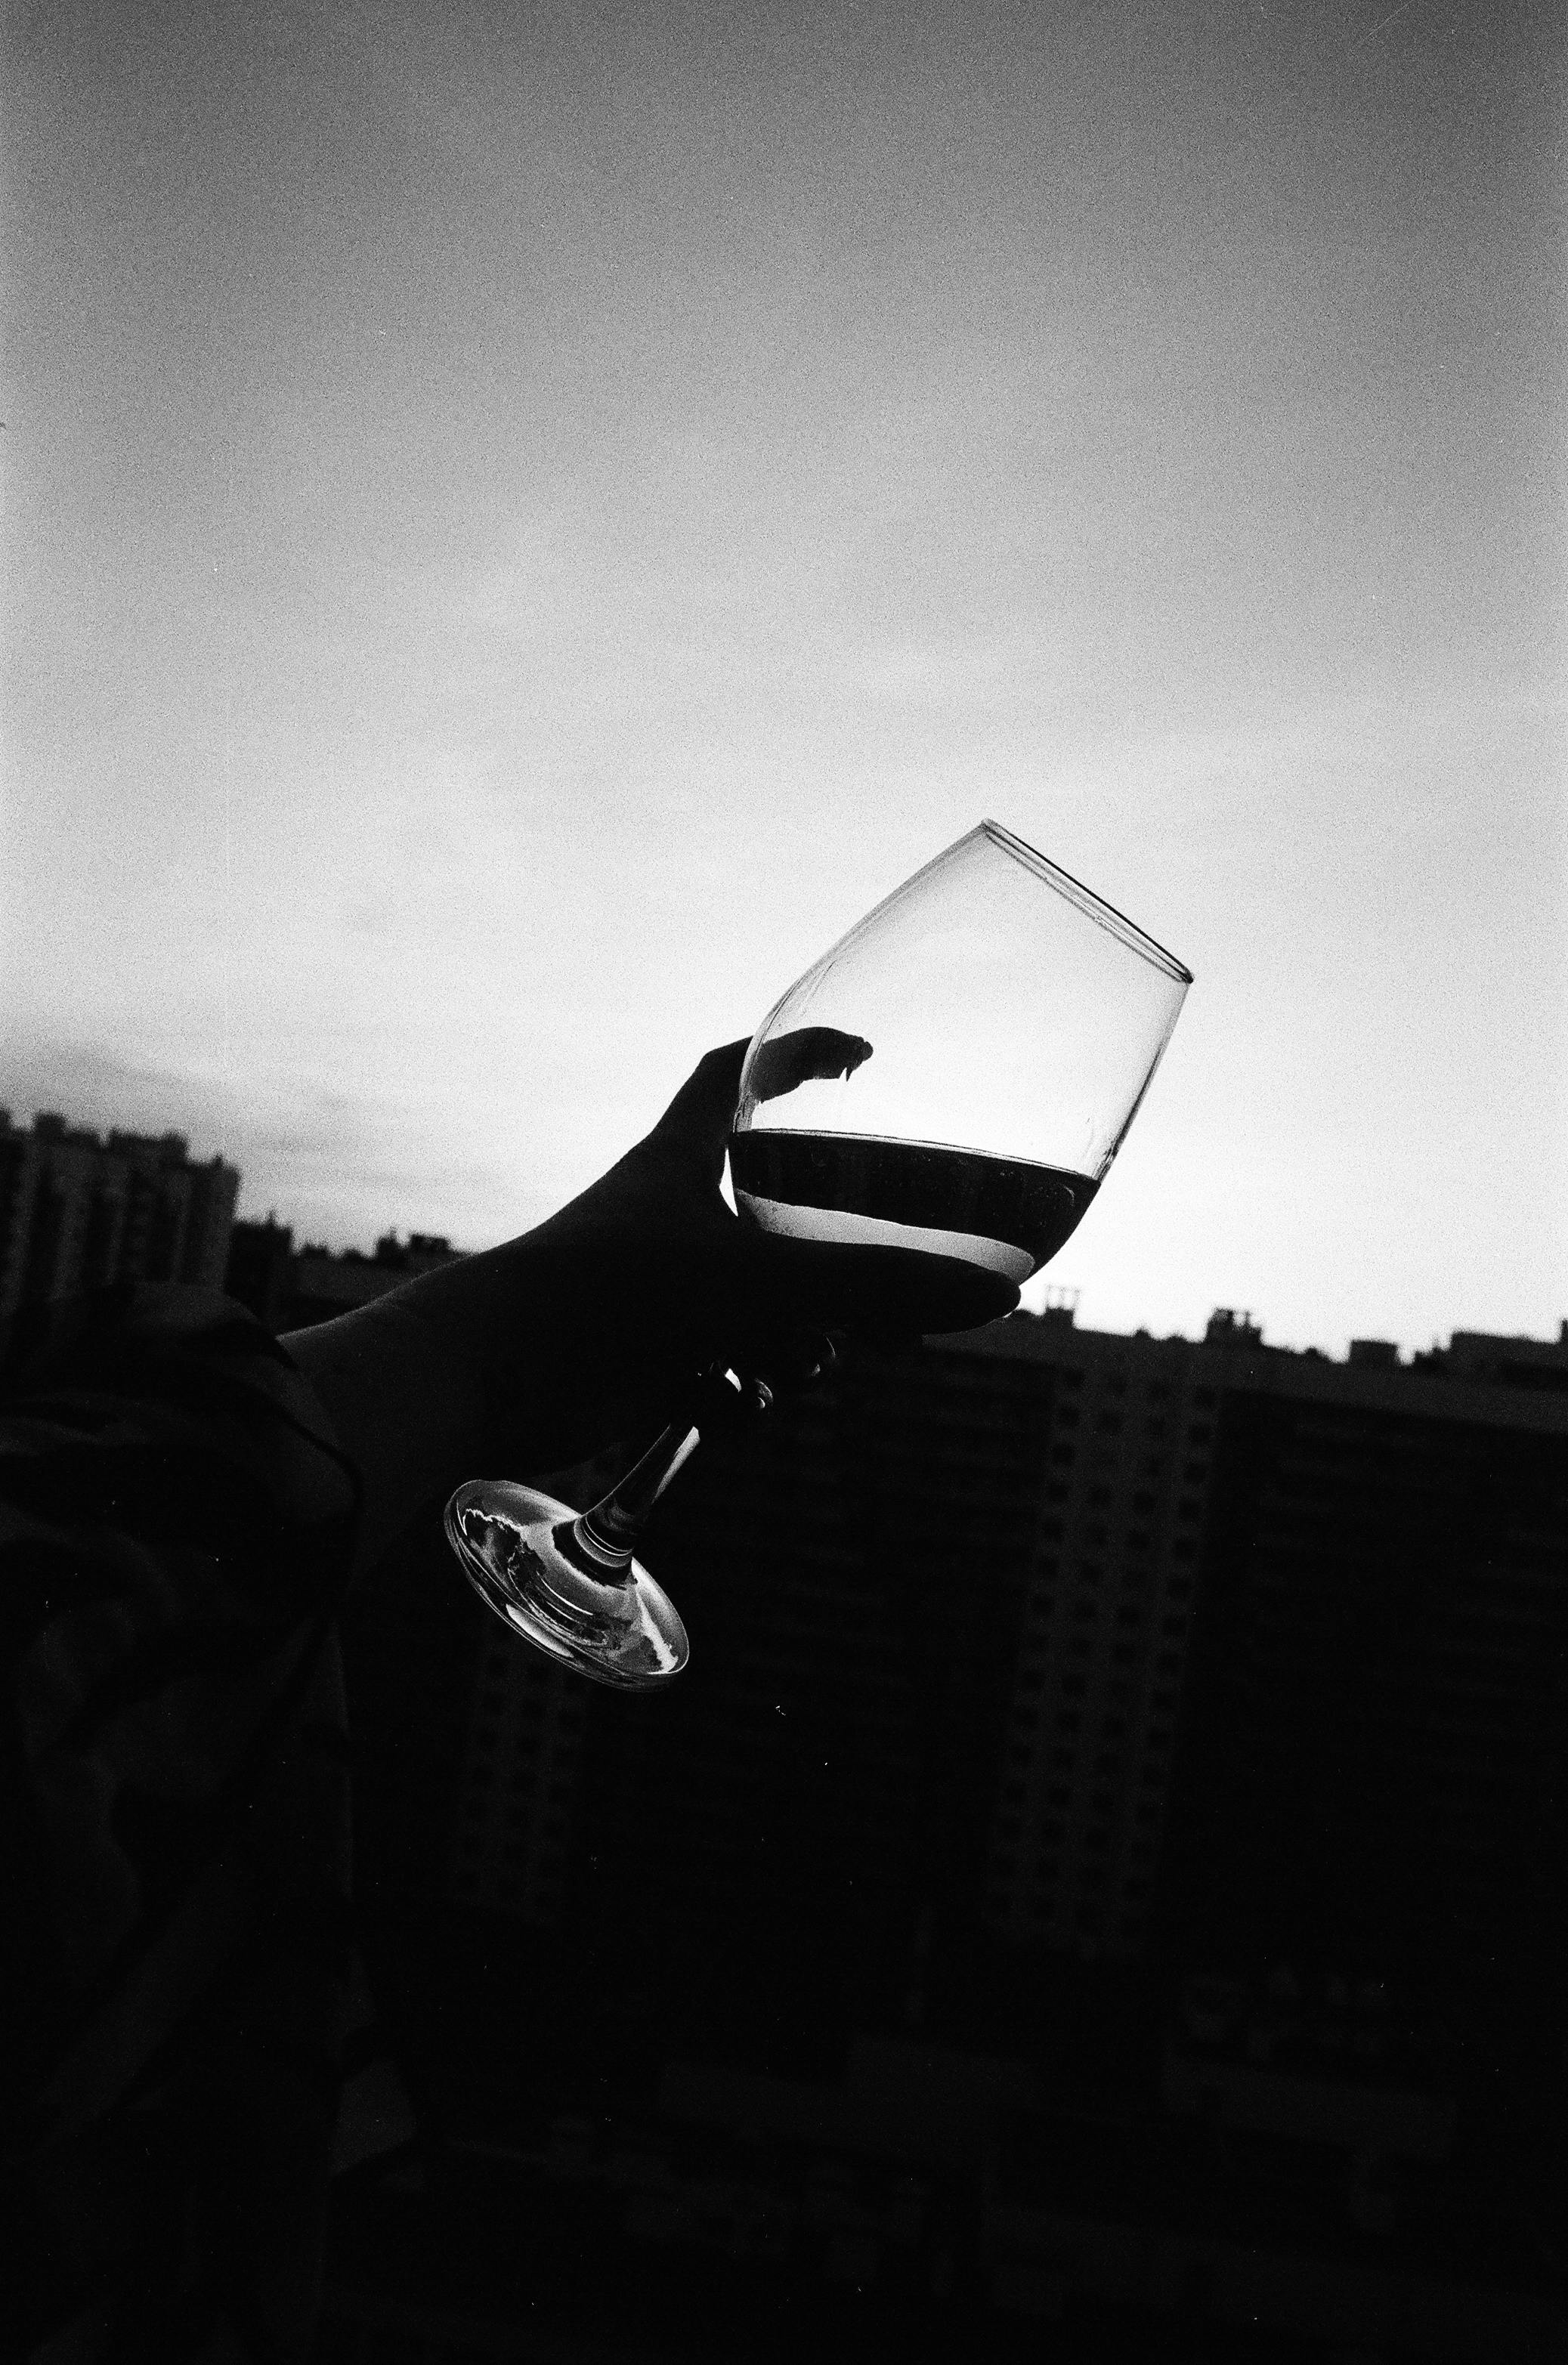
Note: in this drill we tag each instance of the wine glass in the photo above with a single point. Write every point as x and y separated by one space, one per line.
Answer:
953 1077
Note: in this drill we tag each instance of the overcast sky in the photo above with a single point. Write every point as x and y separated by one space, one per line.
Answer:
521 524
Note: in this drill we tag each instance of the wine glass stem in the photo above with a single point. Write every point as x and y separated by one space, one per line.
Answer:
608 1532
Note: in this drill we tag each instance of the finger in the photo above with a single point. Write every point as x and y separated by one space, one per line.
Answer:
786 1363
699 1117
808 1052
725 1401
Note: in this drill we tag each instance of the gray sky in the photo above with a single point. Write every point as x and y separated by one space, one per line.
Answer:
520 525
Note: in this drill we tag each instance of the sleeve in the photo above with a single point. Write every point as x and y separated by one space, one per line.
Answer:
176 1528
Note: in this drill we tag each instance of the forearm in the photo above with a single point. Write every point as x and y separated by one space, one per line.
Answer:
406 1381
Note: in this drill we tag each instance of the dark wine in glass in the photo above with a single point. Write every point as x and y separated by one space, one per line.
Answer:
1006 1214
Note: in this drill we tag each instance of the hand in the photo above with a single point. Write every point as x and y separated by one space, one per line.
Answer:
592 1328
648 1276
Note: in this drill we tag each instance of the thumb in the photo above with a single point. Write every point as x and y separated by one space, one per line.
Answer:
697 1120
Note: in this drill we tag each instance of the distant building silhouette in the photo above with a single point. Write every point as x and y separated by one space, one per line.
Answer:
260 1269
1318 1609
77 1213
291 1288
1510 1362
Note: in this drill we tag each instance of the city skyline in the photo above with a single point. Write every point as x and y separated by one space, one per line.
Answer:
86 1160
520 531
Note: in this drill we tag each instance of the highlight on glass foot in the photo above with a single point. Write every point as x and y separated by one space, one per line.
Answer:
537 1564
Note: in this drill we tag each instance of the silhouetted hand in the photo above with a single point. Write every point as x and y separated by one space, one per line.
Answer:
594 1328
650 1277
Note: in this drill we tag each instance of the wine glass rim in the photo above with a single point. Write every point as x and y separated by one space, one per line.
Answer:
1094 907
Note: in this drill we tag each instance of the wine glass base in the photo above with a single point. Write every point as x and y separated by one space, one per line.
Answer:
626 1632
